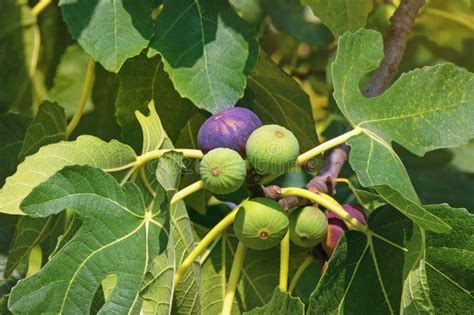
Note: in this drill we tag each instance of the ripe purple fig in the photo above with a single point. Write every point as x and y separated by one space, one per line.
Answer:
337 227
229 128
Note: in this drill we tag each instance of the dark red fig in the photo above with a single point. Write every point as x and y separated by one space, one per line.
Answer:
337 227
229 128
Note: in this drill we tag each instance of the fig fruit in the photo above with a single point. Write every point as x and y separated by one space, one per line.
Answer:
308 226
229 128
260 223
222 171
337 227
272 149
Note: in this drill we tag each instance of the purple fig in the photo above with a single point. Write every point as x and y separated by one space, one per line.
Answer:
229 128
337 227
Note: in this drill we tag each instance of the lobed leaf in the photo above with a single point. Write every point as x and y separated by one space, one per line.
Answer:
119 236
367 263
37 168
215 52
110 31
423 110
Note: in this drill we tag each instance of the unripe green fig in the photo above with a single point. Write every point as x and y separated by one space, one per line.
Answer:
260 223
222 171
272 149
308 226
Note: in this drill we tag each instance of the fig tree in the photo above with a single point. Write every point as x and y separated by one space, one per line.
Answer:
260 223
337 227
222 171
229 128
272 149
308 226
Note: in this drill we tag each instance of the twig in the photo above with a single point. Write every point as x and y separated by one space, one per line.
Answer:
394 48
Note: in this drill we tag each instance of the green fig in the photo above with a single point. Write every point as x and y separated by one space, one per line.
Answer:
260 223
222 170
272 149
308 226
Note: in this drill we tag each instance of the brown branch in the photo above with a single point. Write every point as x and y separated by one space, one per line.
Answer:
394 48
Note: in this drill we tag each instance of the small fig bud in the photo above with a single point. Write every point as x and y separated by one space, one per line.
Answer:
272 149
260 223
337 227
229 128
308 226
222 171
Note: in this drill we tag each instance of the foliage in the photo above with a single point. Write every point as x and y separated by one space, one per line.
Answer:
103 209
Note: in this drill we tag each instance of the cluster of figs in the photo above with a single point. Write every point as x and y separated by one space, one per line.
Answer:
234 141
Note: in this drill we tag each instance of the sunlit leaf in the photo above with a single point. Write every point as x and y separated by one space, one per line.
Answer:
216 51
423 110
119 236
110 31
37 168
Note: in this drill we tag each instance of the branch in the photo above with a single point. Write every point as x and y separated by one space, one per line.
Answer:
394 48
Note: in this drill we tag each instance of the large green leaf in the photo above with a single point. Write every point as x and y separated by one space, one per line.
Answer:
423 110
280 100
119 235
12 132
450 262
366 263
110 31
281 303
341 15
141 81
215 52
36 168
19 48
48 126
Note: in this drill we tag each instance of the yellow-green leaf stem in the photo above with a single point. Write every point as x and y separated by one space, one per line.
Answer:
234 278
86 90
152 155
284 262
186 191
304 265
302 158
40 6
215 232
328 203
